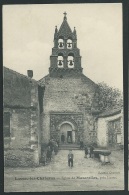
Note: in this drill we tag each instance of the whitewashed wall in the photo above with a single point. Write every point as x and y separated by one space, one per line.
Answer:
102 129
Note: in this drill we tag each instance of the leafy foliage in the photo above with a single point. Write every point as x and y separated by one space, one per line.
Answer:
108 97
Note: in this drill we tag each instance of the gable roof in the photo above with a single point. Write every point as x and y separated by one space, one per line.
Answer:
110 112
17 89
17 73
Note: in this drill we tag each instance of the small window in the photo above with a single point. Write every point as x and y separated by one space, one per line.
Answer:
6 124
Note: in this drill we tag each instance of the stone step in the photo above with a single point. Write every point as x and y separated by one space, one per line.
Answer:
69 146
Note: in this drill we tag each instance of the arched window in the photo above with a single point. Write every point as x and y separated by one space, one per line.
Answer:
70 61
69 44
60 61
61 43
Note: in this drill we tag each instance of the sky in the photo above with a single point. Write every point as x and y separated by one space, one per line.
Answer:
28 32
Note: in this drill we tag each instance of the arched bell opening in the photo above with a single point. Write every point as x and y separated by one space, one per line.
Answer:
61 43
60 61
69 44
70 60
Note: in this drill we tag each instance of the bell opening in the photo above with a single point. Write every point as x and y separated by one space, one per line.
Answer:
69 44
60 62
61 44
70 62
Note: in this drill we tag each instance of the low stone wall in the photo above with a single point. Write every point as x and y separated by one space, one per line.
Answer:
20 158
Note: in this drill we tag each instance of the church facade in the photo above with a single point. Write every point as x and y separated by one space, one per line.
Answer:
69 103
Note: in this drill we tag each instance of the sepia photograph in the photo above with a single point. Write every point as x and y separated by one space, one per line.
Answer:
63 121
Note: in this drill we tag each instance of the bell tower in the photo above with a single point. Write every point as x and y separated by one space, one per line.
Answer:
65 58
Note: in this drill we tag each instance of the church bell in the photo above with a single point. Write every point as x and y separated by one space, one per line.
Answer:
69 44
60 62
71 62
61 44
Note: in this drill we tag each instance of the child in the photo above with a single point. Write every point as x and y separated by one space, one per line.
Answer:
56 148
70 159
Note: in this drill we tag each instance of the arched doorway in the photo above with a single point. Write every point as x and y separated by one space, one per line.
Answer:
67 133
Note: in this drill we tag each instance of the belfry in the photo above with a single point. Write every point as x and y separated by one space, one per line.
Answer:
65 58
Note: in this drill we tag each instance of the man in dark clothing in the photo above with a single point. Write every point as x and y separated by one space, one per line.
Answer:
70 159
81 144
91 151
49 153
62 138
86 151
44 158
51 144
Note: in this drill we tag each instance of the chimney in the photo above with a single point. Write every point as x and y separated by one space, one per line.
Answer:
30 73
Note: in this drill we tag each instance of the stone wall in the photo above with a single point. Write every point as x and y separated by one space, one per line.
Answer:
25 127
19 128
68 95
23 123
74 119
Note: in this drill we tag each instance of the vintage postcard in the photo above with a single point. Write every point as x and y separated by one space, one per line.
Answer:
63 97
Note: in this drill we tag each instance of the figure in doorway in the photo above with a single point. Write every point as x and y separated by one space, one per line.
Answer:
69 139
70 159
62 138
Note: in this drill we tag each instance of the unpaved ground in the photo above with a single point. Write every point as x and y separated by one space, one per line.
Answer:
86 175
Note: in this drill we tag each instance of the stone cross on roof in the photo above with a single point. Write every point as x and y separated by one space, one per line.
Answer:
65 15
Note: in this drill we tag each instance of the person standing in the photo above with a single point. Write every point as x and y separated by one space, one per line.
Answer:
62 138
70 159
81 144
55 148
44 158
50 144
69 139
57 141
49 153
86 151
91 151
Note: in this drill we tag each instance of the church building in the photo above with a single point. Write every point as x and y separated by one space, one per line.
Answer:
69 108
63 105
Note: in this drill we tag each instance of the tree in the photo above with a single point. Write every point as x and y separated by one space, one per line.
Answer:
108 97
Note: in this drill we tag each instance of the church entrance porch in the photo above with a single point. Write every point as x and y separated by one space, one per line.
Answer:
67 133
66 128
